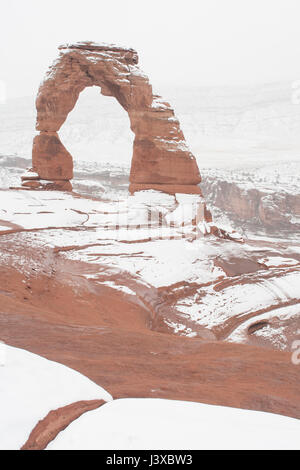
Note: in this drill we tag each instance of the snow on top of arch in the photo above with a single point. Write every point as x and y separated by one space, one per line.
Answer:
101 46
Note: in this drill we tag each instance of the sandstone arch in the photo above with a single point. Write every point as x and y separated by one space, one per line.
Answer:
161 158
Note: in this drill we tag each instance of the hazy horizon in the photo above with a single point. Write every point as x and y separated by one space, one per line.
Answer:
173 86
203 43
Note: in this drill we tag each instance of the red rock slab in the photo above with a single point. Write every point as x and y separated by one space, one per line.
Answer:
50 309
56 421
108 338
235 266
151 364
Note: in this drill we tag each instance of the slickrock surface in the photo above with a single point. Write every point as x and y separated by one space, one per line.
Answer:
153 311
160 154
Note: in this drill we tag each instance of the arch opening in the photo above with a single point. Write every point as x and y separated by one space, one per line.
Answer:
97 130
98 136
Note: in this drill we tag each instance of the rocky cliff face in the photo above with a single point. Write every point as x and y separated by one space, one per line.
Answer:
256 198
160 154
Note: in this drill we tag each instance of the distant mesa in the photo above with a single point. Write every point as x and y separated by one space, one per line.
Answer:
161 159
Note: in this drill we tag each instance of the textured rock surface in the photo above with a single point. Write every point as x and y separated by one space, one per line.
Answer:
56 420
144 312
253 199
51 158
160 153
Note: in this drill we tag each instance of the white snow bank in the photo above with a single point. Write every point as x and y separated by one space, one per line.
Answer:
273 261
167 424
30 387
30 175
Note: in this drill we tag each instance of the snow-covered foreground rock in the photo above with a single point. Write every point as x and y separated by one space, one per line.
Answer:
126 290
147 247
165 424
148 307
32 386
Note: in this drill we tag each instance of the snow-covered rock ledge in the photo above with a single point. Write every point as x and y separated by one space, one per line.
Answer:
30 387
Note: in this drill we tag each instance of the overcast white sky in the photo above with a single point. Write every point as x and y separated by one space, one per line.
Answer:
190 42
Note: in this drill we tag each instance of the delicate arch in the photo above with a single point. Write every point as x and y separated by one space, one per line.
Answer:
161 158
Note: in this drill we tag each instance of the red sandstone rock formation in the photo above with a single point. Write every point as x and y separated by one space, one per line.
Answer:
254 203
108 339
161 158
56 421
67 310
